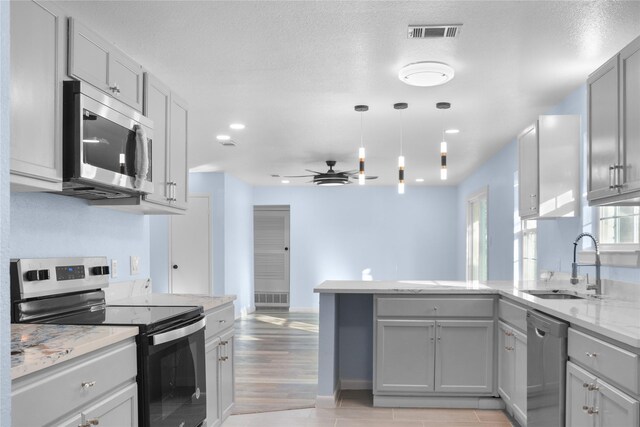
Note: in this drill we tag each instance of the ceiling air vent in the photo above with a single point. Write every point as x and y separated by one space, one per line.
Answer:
433 31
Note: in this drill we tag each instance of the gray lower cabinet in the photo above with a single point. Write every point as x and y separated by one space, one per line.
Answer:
512 371
592 402
219 364
38 53
420 351
82 392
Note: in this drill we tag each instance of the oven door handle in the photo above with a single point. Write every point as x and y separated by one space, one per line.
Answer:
178 333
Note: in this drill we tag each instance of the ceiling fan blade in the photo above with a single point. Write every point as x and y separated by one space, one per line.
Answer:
309 170
351 172
371 177
296 176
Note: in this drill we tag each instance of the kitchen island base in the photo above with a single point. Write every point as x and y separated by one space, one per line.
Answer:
449 402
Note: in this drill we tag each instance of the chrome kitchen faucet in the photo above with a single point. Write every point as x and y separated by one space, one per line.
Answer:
574 265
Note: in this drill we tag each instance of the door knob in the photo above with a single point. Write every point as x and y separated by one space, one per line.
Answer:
175 266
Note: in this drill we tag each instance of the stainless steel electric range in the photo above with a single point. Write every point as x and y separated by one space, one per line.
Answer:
171 362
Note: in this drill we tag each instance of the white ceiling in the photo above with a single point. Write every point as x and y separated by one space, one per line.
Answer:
293 71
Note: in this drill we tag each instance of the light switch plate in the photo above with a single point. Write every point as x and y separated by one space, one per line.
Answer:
114 268
135 265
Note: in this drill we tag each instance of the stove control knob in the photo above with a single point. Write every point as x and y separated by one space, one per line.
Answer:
31 275
105 270
96 271
43 275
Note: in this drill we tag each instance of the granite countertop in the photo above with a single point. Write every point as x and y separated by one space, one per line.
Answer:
207 302
35 347
613 316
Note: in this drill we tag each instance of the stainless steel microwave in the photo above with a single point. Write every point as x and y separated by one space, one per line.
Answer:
107 146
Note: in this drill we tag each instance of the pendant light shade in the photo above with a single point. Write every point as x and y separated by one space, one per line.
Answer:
361 175
401 106
443 145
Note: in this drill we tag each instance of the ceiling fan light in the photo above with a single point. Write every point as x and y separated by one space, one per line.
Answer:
426 73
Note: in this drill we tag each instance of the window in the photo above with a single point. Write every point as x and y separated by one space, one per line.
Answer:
619 226
529 250
477 236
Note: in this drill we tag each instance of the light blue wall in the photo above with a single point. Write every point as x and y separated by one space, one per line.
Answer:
497 175
159 252
5 343
49 225
337 232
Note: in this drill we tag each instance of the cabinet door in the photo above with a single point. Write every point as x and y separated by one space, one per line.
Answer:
125 75
528 172
179 117
120 409
156 107
404 356
615 408
464 356
211 361
74 421
506 363
88 55
602 111
227 389
630 112
519 400
37 69
579 397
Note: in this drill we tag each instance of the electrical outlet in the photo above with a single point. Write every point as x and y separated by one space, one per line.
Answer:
114 268
135 265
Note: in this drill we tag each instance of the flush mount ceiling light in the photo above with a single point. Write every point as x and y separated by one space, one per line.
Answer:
223 137
236 126
426 73
452 131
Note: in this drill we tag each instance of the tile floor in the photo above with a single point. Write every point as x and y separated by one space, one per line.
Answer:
356 410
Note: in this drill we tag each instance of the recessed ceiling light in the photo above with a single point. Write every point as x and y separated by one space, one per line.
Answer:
426 73
236 126
285 181
419 179
223 137
452 131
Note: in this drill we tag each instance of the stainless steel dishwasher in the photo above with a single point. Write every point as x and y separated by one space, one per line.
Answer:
546 366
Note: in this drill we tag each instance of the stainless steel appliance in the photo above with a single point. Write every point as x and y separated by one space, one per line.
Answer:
546 366
171 356
107 146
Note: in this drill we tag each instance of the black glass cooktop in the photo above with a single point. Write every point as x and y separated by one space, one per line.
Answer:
147 318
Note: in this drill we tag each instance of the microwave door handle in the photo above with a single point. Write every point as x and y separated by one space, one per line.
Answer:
178 333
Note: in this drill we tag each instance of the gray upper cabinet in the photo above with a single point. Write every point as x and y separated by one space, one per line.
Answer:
170 117
549 168
528 172
37 72
96 61
614 130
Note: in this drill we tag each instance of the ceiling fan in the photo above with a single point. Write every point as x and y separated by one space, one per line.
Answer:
331 177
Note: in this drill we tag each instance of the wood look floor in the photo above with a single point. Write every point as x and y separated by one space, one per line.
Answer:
276 361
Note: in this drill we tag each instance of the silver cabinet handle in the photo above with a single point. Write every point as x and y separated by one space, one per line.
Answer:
115 89
89 423
592 411
593 387
88 384
591 354
223 358
614 177
224 342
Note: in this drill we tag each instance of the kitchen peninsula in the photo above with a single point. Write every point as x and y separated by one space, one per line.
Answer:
439 343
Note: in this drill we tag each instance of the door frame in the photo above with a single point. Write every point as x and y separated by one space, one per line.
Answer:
209 238
472 198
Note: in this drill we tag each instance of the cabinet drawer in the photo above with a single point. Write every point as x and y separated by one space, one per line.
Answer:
434 307
218 320
512 314
57 391
607 360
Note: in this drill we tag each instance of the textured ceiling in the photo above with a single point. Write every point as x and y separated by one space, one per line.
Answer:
292 72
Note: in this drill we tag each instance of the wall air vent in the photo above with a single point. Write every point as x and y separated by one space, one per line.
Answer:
433 31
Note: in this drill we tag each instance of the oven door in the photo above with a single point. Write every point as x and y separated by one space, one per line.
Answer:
176 378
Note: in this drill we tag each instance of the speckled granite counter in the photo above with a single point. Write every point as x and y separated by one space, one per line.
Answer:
35 347
207 302
613 317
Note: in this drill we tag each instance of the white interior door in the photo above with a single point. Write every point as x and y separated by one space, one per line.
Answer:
190 254
271 255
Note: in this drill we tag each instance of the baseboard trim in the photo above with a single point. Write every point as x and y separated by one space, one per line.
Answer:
438 402
304 310
355 384
330 401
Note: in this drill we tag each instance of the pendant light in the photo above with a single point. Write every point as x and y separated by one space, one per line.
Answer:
361 176
401 106
443 145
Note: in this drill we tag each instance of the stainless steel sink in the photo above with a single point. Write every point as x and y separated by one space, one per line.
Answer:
554 294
